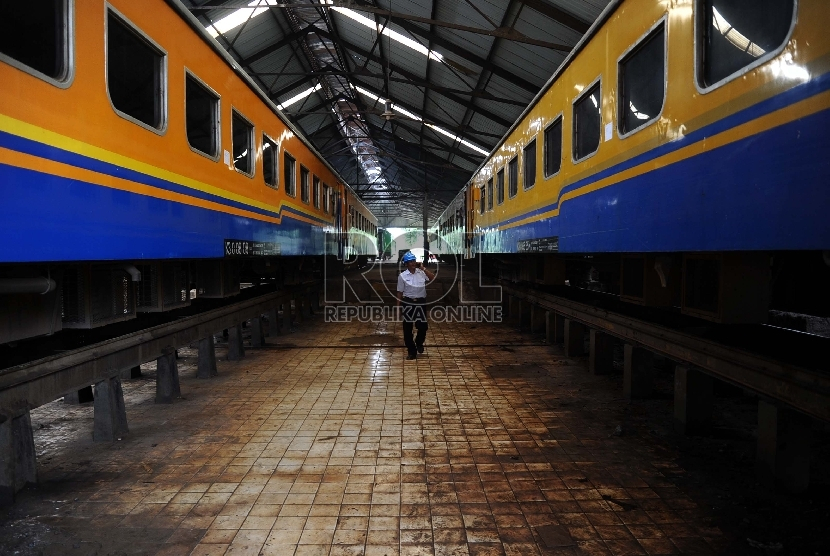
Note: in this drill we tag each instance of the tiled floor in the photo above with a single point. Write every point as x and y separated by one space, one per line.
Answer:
328 446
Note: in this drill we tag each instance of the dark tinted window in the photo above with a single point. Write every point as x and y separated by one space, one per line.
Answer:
642 82
290 169
530 164
500 186
304 184
553 148
316 191
481 200
269 162
326 198
243 135
490 194
587 123
513 177
202 109
134 74
735 33
34 34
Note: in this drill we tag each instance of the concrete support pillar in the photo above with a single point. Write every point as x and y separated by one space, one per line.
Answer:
207 358
110 417
638 373
236 350
783 457
601 353
692 400
513 311
537 318
298 309
286 316
167 377
550 327
83 395
524 314
257 336
273 323
18 464
132 372
574 338
558 328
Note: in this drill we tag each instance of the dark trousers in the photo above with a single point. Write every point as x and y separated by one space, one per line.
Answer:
414 314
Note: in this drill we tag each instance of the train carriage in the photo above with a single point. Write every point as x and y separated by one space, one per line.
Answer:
129 138
695 130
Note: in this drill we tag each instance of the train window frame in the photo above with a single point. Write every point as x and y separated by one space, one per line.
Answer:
590 87
699 45
326 191
559 119
511 164
67 75
525 173
251 143
163 71
482 200
316 190
276 172
289 169
217 130
500 197
305 186
629 52
490 192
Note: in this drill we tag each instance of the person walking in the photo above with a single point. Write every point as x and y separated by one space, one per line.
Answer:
412 292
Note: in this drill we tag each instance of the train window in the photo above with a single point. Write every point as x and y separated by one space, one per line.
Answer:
202 117
269 162
36 37
289 167
587 122
530 164
490 194
136 74
316 191
500 186
513 177
481 200
734 36
642 86
243 144
304 184
553 147
325 198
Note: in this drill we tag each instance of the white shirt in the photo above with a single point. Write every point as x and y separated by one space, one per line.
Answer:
413 284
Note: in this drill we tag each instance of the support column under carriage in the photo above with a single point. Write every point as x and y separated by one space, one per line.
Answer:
110 415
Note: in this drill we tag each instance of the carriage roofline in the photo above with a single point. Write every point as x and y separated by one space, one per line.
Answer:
606 13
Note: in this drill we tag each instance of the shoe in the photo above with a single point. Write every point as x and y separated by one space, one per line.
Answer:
410 357
420 349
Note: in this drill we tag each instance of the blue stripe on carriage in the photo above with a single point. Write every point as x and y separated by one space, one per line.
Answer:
49 152
792 96
52 218
769 191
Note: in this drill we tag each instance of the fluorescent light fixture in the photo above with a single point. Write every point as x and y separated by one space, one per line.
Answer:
454 137
297 98
394 35
440 130
238 17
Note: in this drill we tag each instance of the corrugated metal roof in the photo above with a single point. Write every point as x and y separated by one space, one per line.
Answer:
473 84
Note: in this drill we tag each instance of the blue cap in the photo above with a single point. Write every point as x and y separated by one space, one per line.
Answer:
408 257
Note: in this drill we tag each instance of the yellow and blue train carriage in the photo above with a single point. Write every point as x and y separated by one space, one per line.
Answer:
126 133
672 127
